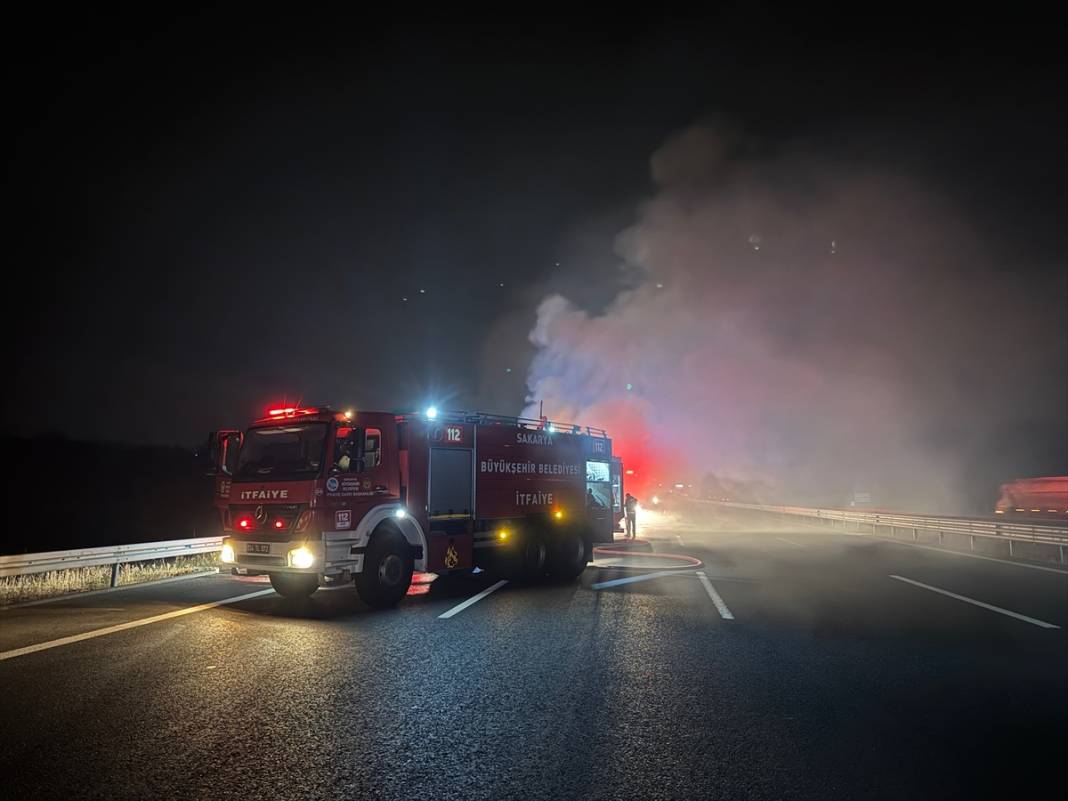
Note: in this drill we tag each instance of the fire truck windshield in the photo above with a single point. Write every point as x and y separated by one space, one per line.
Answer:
282 452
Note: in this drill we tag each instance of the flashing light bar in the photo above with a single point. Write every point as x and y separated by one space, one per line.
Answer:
291 411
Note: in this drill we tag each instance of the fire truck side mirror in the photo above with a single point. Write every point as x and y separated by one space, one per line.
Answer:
221 452
209 455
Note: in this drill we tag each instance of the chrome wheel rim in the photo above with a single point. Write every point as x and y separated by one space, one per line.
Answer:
390 570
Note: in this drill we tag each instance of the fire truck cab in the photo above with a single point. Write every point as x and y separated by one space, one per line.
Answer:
311 496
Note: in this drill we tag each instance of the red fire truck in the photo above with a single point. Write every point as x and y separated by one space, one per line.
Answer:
1034 497
313 496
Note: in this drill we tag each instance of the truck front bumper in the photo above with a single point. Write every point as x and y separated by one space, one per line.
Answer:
294 556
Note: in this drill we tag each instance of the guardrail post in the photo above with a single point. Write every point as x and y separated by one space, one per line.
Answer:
971 542
939 536
1010 546
115 574
1061 549
916 535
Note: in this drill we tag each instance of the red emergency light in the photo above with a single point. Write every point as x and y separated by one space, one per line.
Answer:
279 524
244 523
629 472
291 411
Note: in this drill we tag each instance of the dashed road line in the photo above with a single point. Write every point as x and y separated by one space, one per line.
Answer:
790 542
721 607
991 607
88 635
474 599
600 585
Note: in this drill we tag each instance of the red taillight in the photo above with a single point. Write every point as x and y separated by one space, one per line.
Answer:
279 524
244 523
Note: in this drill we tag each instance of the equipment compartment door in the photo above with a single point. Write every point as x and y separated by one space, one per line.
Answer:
450 484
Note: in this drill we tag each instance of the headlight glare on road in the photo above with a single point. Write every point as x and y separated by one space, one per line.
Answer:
227 556
301 557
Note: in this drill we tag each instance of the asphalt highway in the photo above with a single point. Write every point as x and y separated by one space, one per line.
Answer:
795 663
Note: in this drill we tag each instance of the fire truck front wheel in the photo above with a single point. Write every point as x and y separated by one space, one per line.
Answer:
294 585
387 570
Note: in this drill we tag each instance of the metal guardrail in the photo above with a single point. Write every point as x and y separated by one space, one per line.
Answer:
1053 533
114 555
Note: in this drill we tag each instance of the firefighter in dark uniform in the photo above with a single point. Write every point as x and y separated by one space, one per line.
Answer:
630 506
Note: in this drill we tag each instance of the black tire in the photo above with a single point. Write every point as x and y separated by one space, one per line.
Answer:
387 570
533 557
567 556
294 585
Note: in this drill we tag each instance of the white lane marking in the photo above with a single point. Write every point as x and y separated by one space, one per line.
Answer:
88 635
600 585
973 555
474 599
76 595
721 607
991 607
790 542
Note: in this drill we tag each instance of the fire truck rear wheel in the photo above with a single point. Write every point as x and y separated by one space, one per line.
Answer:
532 557
294 585
387 570
567 557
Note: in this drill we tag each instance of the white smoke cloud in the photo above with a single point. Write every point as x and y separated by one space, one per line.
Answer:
820 328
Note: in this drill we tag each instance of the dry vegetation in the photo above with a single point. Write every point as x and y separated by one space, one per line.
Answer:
36 586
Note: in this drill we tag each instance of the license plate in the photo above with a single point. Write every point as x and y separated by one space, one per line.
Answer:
257 547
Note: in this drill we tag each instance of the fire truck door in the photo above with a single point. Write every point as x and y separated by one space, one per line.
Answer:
599 496
617 493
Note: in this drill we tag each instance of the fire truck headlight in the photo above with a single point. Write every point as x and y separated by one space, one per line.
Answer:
559 514
400 514
502 534
431 412
227 554
301 557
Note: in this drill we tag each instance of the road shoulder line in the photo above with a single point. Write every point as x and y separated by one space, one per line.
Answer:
132 624
973 555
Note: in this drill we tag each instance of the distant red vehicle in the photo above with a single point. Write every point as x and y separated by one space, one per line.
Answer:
1034 497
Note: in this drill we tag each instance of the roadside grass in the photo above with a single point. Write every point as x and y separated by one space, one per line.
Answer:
37 586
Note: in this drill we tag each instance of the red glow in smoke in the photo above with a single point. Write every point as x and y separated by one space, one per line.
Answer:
633 440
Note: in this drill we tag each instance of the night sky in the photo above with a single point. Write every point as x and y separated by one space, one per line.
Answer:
211 212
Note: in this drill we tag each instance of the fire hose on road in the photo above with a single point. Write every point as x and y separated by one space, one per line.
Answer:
625 557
